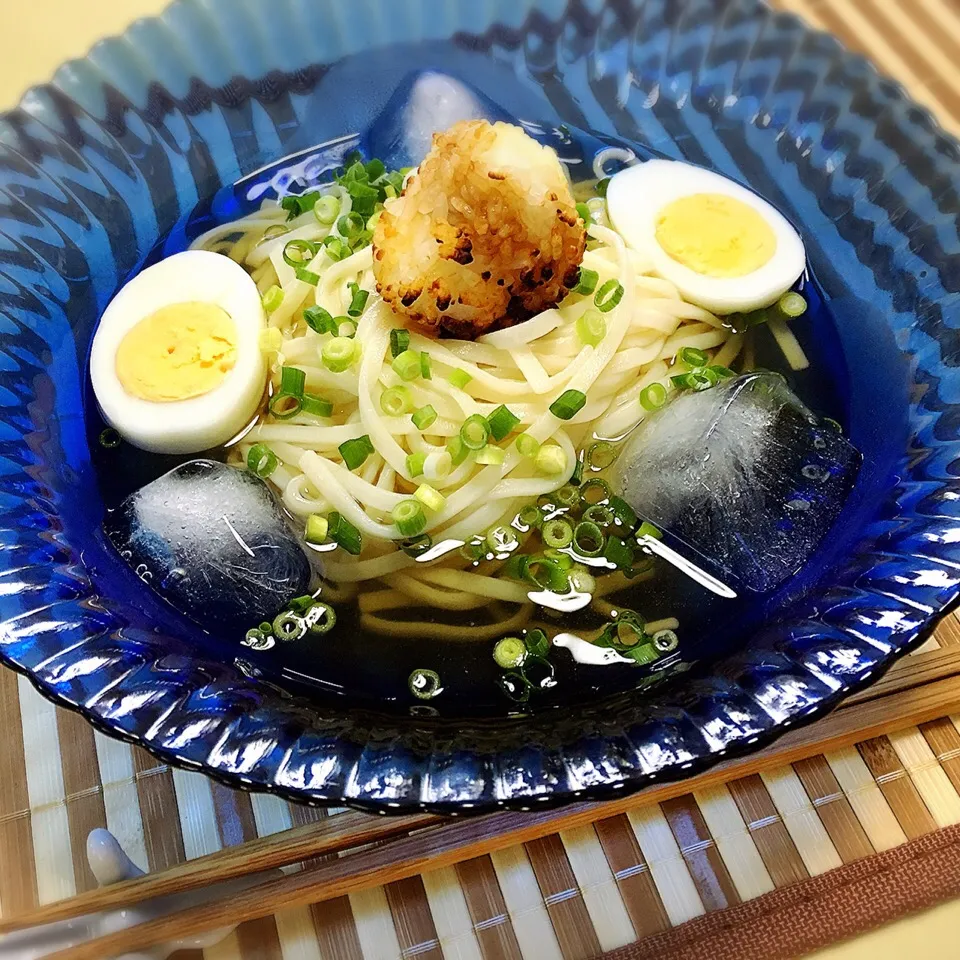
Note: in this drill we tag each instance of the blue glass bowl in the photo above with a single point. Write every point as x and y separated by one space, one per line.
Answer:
97 168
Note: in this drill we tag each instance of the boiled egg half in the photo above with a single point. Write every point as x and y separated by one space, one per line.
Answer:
176 363
724 248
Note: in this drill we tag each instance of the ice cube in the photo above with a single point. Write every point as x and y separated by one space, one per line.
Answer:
743 474
428 103
213 542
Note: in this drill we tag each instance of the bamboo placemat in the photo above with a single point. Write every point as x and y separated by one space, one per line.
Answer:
688 850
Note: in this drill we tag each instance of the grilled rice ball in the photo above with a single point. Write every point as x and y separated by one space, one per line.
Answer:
484 235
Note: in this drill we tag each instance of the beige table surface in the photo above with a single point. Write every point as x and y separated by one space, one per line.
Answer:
36 38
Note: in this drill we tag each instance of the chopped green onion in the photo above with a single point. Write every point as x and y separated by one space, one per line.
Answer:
551 459
564 559
301 604
576 478
336 248
407 365
568 404
351 226
316 529
608 296
375 168
292 206
502 539
618 553
283 406
424 684
364 199
702 378
601 186
355 451
399 341
437 465
320 320
591 328
270 340
457 449
665 641
509 652
649 530
409 517
601 454
547 574
424 417
595 491
425 370
792 304
527 446
567 496
581 579
289 626
346 327
396 401
692 357
307 276
538 672
316 406
255 639
415 463
583 212
600 514
320 618
643 653
460 378
501 422
475 432
292 381
557 533
536 640
274 231
530 516
587 282
588 539
272 299
109 438
724 373
338 354
429 497
473 551
515 685
623 513
358 300
516 567
326 209
653 396
298 253
490 455
261 460
343 533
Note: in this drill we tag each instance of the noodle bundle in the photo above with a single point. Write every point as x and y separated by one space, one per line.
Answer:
524 366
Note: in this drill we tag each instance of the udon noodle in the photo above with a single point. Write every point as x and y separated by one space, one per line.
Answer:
524 366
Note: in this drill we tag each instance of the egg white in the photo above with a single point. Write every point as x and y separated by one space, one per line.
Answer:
636 195
197 423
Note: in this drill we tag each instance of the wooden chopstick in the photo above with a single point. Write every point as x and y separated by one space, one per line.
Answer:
330 835
460 840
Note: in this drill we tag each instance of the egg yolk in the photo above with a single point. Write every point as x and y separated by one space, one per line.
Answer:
715 235
181 351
